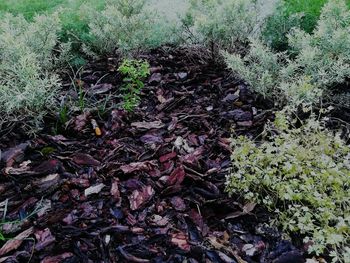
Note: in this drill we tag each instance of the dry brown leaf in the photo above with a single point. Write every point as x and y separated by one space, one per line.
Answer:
14 243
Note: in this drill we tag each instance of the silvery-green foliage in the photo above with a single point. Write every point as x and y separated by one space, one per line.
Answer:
27 60
125 26
302 176
260 67
319 60
227 24
324 55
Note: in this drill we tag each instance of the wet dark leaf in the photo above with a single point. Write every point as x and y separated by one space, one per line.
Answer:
85 159
140 197
177 176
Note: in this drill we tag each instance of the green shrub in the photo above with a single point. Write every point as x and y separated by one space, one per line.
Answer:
302 176
260 67
318 62
27 63
135 71
227 24
289 14
279 25
324 55
126 26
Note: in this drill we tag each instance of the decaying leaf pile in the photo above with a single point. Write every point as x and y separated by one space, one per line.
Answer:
151 188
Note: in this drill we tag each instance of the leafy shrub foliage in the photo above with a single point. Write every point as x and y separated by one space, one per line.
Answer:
125 25
279 25
302 175
325 54
227 24
135 71
260 67
289 14
27 60
319 61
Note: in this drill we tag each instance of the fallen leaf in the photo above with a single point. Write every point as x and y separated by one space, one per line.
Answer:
149 138
181 240
80 121
138 166
80 182
247 209
44 238
15 154
249 249
94 189
245 123
181 144
193 157
48 167
230 98
115 192
85 159
177 176
167 157
100 88
43 184
23 168
182 75
138 198
158 220
178 203
148 125
130 257
155 78
14 243
57 259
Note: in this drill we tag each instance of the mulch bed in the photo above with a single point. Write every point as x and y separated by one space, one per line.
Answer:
151 188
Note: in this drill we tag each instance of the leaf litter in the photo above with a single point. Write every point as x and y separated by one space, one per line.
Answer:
149 185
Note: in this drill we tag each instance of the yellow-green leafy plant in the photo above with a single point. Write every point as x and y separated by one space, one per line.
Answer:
318 61
227 24
125 26
28 57
135 71
302 176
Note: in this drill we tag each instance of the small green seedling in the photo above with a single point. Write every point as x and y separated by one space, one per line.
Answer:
135 71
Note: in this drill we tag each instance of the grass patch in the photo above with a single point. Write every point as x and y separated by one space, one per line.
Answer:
29 8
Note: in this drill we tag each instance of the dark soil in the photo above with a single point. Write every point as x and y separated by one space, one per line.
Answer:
152 187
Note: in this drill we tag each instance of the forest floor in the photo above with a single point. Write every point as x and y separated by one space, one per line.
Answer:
151 188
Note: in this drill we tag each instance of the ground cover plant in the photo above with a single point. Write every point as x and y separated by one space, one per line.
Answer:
135 71
301 174
203 133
